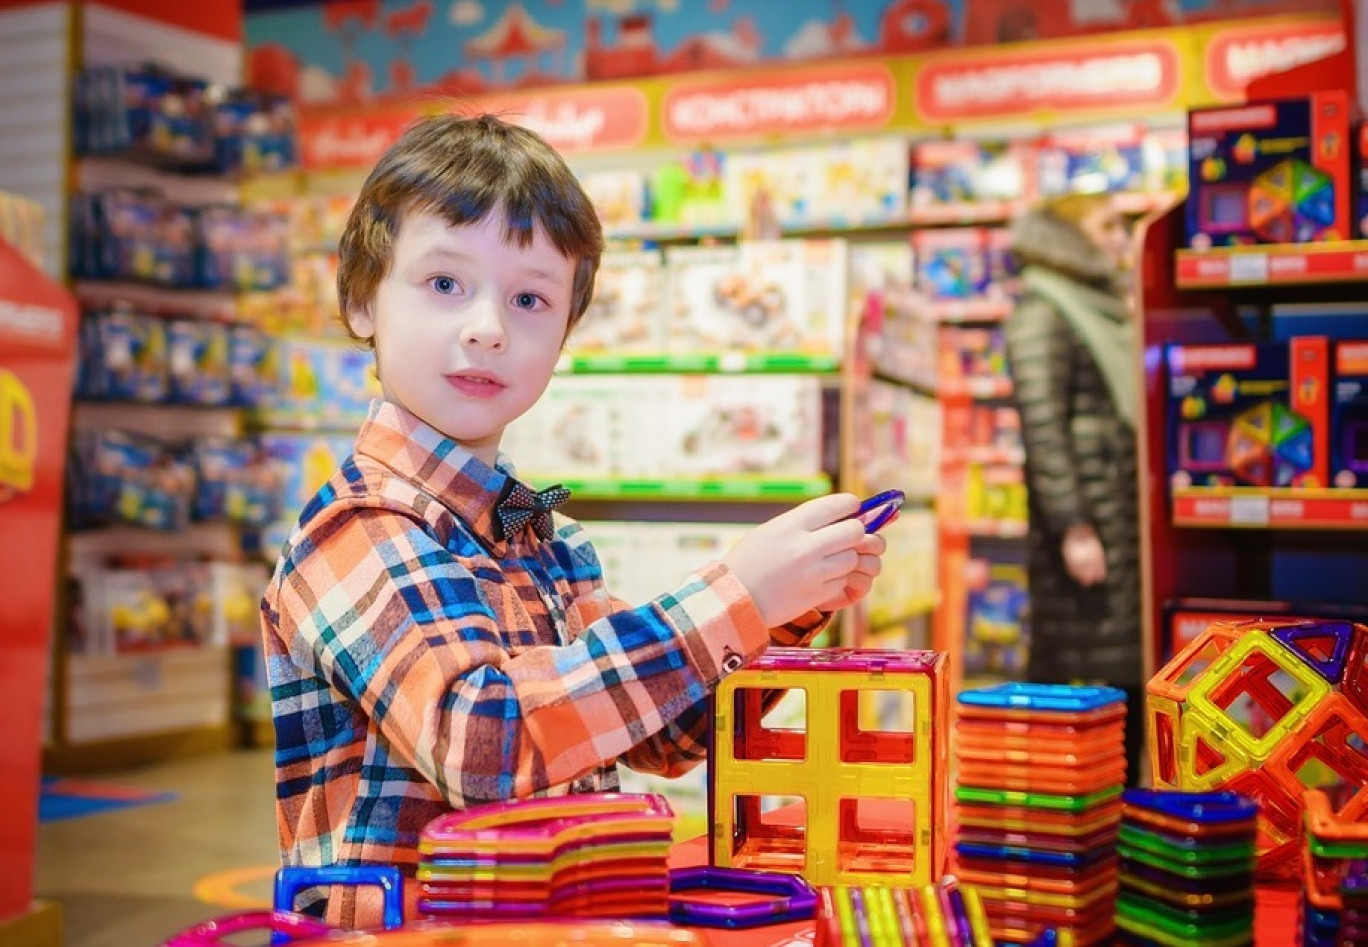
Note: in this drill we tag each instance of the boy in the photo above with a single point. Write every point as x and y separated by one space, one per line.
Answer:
432 640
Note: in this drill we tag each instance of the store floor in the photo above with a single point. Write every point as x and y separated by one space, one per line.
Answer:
131 877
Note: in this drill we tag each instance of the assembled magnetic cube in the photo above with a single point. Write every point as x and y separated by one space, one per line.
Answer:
868 766
1245 414
1271 710
1270 172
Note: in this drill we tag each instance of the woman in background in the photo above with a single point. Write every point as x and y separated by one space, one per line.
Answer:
1072 352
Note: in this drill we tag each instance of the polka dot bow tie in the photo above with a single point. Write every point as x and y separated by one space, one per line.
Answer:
521 505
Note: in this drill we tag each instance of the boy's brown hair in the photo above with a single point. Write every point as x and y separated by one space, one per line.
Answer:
464 169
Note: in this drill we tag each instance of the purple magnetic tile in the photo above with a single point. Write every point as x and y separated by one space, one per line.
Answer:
1332 668
793 899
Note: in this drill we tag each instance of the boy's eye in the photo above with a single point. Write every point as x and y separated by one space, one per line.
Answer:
526 300
443 284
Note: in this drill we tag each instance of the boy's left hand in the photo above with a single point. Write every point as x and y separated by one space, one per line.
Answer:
861 578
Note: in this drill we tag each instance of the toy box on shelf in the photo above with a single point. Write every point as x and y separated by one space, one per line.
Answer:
1270 172
301 462
1253 414
956 173
997 637
21 225
319 383
627 312
898 443
132 604
1361 192
910 562
685 426
181 121
853 182
784 295
139 235
1107 159
1349 416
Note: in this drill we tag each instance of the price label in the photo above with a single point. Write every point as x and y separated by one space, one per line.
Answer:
1249 268
1249 511
731 362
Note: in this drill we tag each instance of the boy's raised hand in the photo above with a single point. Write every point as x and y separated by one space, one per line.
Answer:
813 556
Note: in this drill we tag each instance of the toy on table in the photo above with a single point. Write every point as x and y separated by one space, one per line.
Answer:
1040 769
872 801
1187 867
589 855
1334 905
791 898
1268 709
944 914
1269 172
1245 414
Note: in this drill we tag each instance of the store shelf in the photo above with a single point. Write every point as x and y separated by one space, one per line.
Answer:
990 529
1271 508
967 214
986 388
923 384
210 302
1273 265
740 363
954 311
987 456
728 488
917 608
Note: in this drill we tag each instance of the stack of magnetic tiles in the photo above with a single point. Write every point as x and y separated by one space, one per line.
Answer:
947 914
1038 786
591 855
1334 909
1187 868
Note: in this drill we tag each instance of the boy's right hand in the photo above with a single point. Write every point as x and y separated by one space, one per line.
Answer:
802 558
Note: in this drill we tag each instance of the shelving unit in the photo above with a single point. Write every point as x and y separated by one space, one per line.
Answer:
1241 543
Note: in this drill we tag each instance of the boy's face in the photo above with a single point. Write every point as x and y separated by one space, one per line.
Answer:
467 328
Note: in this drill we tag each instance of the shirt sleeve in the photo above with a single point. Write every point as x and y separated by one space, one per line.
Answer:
682 743
373 603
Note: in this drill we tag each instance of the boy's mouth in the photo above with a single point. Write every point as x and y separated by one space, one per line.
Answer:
476 384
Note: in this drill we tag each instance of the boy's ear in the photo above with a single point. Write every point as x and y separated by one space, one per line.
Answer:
361 320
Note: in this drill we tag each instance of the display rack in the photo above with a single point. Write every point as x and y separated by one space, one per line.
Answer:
1240 543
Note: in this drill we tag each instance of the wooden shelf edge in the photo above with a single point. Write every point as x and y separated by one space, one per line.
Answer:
122 752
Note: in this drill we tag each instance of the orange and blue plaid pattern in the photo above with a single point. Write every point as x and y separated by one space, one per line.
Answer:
418 664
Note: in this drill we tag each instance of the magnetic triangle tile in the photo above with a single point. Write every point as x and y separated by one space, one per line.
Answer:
1338 634
1319 206
1306 179
1276 180
1207 757
1265 208
1286 422
1298 449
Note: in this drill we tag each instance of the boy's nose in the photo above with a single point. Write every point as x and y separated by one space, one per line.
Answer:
483 325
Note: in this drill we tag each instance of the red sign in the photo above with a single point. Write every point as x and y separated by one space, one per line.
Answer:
845 98
37 341
1239 55
584 119
1072 78
570 120
351 140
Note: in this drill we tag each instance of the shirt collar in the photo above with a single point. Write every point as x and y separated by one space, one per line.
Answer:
438 465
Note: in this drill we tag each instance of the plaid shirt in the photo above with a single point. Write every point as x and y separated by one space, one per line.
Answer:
417 663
